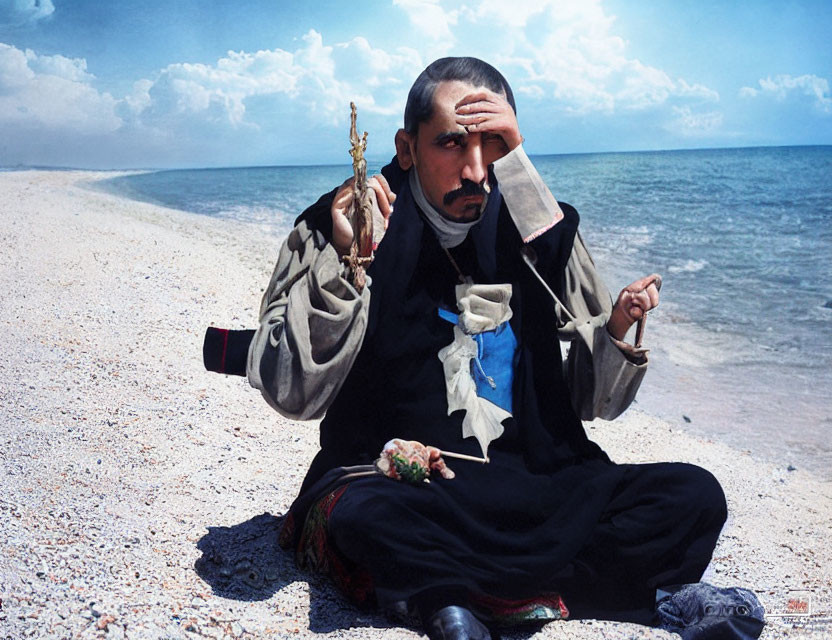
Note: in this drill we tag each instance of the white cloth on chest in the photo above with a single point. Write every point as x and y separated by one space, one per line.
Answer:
482 308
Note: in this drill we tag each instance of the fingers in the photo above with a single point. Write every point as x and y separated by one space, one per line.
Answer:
494 119
478 113
384 196
437 463
342 233
481 109
478 100
653 294
644 293
636 306
633 304
430 458
653 288
482 106
447 472
657 281
341 227
641 284
343 197
486 111
391 197
440 467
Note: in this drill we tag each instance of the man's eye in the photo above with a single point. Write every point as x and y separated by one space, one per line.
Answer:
491 138
452 143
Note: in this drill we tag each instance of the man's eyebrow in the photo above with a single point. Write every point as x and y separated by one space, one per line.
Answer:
450 136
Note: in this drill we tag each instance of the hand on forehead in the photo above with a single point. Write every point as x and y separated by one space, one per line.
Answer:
451 96
479 110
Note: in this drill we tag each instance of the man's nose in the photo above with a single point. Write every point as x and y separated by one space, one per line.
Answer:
474 168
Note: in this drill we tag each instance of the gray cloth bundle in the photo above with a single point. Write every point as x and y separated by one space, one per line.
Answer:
702 611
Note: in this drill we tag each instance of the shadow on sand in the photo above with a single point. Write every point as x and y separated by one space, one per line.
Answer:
246 562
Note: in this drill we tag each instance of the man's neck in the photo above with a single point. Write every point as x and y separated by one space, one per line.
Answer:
449 232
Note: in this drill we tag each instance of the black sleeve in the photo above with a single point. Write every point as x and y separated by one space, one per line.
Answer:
553 248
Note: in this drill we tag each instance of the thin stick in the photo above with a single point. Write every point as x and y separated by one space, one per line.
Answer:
657 282
640 329
462 456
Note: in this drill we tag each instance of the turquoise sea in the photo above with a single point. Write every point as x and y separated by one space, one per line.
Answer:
742 341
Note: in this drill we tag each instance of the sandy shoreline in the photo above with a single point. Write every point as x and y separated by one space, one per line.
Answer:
120 451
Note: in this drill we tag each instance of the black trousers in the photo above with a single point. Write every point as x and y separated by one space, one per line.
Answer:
659 527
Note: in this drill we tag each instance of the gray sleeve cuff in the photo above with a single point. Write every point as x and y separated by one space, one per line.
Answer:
532 206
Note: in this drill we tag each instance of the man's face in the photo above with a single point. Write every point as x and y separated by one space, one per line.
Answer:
453 164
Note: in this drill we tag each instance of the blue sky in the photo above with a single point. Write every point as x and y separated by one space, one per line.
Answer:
192 83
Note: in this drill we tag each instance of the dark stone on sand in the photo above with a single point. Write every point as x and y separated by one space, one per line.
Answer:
828 304
686 419
791 468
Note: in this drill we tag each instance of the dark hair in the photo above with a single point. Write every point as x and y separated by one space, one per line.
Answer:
473 70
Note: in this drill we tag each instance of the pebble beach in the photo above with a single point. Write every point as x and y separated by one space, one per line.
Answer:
142 496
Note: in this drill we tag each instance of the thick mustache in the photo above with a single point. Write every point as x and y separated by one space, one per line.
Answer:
468 188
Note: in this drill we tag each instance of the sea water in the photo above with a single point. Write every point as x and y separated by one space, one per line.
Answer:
741 344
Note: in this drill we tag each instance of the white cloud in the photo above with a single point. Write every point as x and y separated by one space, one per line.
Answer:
139 99
514 14
196 113
783 85
321 79
14 69
531 90
563 55
51 93
641 86
688 123
73 69
430 19
695 91
568 50
20 12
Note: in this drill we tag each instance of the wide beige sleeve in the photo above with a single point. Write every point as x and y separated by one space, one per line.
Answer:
604 374
312 324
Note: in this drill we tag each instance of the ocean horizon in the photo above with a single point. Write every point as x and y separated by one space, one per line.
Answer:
741 347
377 160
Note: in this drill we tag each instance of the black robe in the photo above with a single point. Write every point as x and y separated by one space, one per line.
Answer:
512 528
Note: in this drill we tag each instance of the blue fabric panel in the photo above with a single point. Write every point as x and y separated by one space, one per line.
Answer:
493 369
450 316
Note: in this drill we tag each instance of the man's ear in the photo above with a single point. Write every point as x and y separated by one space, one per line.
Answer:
405 144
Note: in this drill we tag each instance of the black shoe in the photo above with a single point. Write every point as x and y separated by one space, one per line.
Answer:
455 623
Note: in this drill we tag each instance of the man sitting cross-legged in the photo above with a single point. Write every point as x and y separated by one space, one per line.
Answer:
454 346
